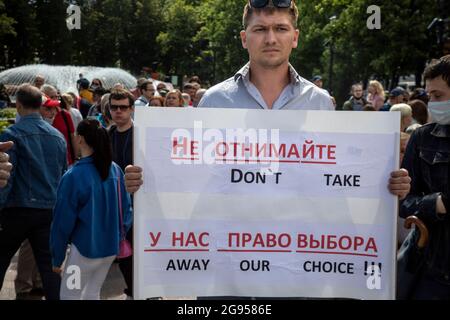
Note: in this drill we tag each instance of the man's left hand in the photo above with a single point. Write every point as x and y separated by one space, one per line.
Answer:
5 165
400 183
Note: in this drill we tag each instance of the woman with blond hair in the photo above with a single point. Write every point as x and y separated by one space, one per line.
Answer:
174 99
376 94
67 104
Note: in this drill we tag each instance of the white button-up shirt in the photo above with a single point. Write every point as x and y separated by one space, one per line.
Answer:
240 92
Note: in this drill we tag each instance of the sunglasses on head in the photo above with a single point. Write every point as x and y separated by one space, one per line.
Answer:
276 3
115 107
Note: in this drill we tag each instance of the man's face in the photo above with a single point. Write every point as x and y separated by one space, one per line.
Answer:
319 83
48 113
149 91
395 100
191 91
39 82
198 97
269 39
438 90
52 94
357 92
121 111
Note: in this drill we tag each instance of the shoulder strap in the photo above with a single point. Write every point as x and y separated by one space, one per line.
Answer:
69 134
119 194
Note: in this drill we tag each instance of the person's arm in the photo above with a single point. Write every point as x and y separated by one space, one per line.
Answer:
5 165
426 206
64 218
400 183
440 206
133 178
379 102
10 164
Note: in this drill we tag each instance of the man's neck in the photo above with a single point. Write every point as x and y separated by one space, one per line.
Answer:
26 112
125 127
270 82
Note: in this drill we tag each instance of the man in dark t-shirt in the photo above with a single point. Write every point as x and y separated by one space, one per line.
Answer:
121 104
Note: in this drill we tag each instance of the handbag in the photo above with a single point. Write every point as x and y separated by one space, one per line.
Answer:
125 249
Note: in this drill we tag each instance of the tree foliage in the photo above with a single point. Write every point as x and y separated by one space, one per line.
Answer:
186 37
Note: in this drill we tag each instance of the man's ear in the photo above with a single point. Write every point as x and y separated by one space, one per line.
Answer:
244 39
295 42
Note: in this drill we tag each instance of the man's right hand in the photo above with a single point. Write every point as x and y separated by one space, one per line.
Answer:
133 178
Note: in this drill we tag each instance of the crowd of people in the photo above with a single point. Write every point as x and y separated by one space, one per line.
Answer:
64 183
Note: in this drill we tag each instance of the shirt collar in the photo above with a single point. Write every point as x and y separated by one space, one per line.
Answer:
89 159
244 73
441 131
34 115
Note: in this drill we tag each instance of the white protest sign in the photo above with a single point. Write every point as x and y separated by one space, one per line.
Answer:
265 203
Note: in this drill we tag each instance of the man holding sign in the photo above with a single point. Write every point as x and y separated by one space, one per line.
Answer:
269 82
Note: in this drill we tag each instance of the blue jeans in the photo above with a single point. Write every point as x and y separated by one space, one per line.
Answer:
18 224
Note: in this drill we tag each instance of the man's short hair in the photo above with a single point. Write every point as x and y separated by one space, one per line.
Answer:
120 94
29 96
140 81
84 83
438 68
270 9
143 85
188 86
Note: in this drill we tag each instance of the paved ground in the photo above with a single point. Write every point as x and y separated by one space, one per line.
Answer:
112 288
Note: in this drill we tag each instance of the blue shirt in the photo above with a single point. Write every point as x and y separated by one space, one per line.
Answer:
39 160
87 212
240 92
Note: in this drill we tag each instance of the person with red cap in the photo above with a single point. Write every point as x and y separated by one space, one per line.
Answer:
61 120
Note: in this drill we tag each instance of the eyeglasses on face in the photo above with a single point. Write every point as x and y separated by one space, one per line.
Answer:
115 107
276 3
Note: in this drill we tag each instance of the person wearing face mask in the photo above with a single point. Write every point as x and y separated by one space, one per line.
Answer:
427 159
95 84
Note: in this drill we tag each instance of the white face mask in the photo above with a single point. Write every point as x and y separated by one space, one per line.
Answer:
440 112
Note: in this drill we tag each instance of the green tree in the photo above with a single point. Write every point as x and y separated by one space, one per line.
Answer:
400 47
18 35
138 46
54 45
177 41
221 24
6 23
